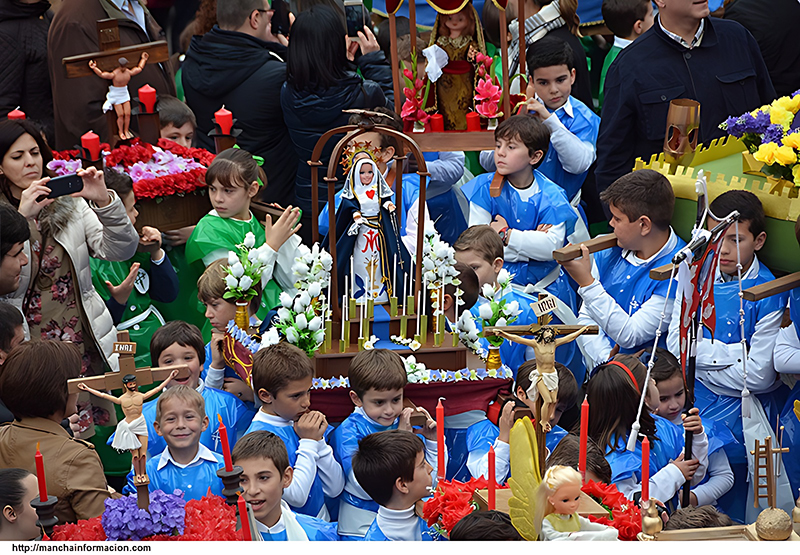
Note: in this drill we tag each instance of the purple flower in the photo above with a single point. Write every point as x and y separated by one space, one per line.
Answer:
795 93
123 520
734 126
164 157
57 166
773 134
762 121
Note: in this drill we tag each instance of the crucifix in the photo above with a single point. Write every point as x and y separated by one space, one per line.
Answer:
544 379
129 378
108 59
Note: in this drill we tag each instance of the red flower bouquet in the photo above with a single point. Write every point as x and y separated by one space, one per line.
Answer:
452 501
623 514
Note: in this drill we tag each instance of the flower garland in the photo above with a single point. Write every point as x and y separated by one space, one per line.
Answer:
772 135
623 514
498 311
409 342
417 371
206 519
452 501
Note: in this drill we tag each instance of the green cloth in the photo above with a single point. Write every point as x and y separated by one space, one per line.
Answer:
185 307
138 303
571 524
610 57
214 233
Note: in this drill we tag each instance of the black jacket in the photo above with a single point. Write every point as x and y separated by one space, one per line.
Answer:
245 74
24 79
310 114
726 74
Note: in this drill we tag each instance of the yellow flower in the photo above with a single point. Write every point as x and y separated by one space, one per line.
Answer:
781 116
766 153
785 156
793 139
788 103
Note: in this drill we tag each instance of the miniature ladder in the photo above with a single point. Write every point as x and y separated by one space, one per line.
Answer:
763 459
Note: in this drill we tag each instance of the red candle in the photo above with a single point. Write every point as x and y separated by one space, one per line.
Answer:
473 121
16 113
224 119
147 97
492 480
645 469
437 123
226 447
243 518
91 144
40 475
440 439
584 438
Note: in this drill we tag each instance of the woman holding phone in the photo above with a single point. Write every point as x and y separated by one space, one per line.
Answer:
56 292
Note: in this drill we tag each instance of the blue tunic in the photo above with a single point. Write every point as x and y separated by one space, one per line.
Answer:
668 447
375 534
317 530
234 414
791 432
584 124
316 497
630 285
194 481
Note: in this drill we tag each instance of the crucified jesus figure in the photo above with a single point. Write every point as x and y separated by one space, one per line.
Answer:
131 433
118 96
544 379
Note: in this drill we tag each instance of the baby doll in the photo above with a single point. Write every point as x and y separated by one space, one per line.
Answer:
460 36
557 501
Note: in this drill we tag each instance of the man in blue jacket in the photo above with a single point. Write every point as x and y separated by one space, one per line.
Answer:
685 54
241 64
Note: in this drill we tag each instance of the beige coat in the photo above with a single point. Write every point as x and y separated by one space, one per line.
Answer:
72 468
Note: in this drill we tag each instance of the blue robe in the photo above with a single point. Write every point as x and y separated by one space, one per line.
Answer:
375 534
791 432
194 481
316 497
234 414
668 447
317 530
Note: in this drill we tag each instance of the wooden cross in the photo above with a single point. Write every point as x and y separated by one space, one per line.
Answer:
113 380
111 52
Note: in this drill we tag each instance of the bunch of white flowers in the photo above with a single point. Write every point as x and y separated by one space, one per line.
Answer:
417 372
468 331
439 267
312 267
246 269
497 311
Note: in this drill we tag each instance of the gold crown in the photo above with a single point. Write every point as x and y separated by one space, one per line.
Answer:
355 148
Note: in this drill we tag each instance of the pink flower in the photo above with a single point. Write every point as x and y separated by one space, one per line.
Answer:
410 107
408 74
487 91
422 116
488 109
418 84
409 93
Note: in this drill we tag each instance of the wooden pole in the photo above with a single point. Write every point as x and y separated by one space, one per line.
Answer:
412 25
396 75
522 42
504 55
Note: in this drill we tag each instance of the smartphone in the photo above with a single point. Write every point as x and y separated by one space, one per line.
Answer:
280 18
64 185
356 16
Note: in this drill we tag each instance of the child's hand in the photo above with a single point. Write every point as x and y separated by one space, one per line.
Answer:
506 422
120 293
544 228
177 237
239 388
405 420
150 241
692 423
311 425
499 223
687 468
286 226
216 351
538 108
580 268
429 429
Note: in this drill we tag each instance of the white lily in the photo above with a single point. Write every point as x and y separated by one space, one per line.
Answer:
485 311
284 314
315 323
231 282
286 299
249 240
301 322
245 282
501 322
314 289
292 336
318 336
237 269
232 258
487 291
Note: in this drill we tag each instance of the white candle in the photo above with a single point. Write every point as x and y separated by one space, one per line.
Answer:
405 295
441 299
410 290
361 309
352 278
394 277
419 312
424 292
328 298
346 290
344 311
455 308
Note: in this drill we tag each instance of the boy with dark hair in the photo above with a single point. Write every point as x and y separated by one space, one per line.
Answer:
11 331
177 343
567 453
185 463
618 294
485 525
266 474
392 469
177 120
481 248
691 518
14 234
377 378
628 20
532 215
725 381
129 287
282 376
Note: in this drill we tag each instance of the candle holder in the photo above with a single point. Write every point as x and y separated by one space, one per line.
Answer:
410 303
423 328
370 308
230 481
45 513
87 162
437 339
361 344
328 335
393 306
223 141
418 338
149 122
352 315
454 334
403 326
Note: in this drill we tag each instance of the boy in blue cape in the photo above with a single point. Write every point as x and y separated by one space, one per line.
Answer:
185 464
266 474
282 375
392 469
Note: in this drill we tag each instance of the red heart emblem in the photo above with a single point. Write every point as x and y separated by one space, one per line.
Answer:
371 194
